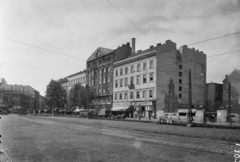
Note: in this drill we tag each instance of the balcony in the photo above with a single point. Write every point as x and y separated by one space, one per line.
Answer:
131 86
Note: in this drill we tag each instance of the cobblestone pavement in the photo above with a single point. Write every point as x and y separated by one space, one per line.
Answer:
173 140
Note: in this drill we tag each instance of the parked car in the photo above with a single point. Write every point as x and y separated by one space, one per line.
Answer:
4 112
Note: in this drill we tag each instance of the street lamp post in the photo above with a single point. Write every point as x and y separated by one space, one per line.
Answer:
229 100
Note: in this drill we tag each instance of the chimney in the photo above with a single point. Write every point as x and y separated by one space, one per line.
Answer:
133 45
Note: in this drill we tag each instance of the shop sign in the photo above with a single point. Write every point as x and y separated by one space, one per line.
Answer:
121 104
142 103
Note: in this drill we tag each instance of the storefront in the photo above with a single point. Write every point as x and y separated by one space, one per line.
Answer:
144 109
119 108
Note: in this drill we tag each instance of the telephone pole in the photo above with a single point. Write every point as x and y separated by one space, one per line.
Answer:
190 98
229 101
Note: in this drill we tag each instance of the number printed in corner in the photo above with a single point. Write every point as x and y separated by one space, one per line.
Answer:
237 154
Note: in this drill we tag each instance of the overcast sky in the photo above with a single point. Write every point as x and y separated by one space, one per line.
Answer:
78 27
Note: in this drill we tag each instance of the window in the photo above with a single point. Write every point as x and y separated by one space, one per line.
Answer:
180 88
151 64
143 94
138 79
100 62
131 95
109 68
126 82
144 78
115 96
125 96
180 74
121 83
92 82
108 90
126 70
138 67
144 66
180 66
116 83
120 96
116 73
132 69
104 60
108 59
138 94
121 72
103 91
104 70
180 96
103 80
150 93
180 81
151 77
132 80
99 90
92 73
100 80
108 79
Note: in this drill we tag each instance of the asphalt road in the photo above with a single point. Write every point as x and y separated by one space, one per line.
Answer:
54 139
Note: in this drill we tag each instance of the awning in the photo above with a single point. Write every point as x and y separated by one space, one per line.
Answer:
118 108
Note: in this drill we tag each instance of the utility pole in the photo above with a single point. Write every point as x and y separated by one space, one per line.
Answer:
190 99
229 101
204 97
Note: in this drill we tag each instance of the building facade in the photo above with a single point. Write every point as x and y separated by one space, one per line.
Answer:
99 74
231 96
214 95
159 82
76 78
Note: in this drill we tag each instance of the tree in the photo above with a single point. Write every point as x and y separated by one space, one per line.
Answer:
80 96
55 95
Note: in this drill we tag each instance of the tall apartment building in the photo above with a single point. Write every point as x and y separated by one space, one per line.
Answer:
234 79
99 73
156 80
214 96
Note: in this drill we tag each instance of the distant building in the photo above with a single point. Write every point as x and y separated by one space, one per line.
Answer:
99 73
234 79
76 78
214 96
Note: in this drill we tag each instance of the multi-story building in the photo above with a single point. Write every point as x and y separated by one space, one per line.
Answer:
99 73
156 80
234 92
76 78
214 96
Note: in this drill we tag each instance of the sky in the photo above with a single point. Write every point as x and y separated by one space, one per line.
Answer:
71 30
